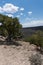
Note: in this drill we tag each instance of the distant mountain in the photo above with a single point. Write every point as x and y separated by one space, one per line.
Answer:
28 31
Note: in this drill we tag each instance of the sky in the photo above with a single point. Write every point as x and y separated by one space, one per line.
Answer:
29 12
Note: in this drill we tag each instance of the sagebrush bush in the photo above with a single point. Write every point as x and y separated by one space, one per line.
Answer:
36 39
35 59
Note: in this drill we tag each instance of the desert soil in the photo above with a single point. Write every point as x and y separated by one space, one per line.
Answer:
16 55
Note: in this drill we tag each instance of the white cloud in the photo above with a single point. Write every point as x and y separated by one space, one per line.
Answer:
30 12
21 13
9 8
32 23
10 15
22 9
18 16
1 10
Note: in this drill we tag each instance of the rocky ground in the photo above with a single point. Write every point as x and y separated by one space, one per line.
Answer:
17 55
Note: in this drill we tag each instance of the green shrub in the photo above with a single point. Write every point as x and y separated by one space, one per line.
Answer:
27 39
36 39
35 59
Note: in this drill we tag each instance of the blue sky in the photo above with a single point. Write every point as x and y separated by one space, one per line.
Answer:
29 12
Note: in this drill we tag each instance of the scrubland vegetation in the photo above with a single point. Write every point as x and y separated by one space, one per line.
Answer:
10 27
36 39
36 59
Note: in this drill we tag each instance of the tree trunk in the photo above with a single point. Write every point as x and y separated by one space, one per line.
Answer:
9 37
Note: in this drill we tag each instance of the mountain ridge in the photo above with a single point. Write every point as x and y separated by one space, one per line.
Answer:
28 31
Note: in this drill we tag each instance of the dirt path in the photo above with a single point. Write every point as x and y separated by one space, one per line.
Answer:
16 55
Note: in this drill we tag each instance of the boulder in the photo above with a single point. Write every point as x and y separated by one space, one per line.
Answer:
2 38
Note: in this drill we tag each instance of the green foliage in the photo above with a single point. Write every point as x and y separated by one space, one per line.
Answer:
10 26
36 39
27 39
